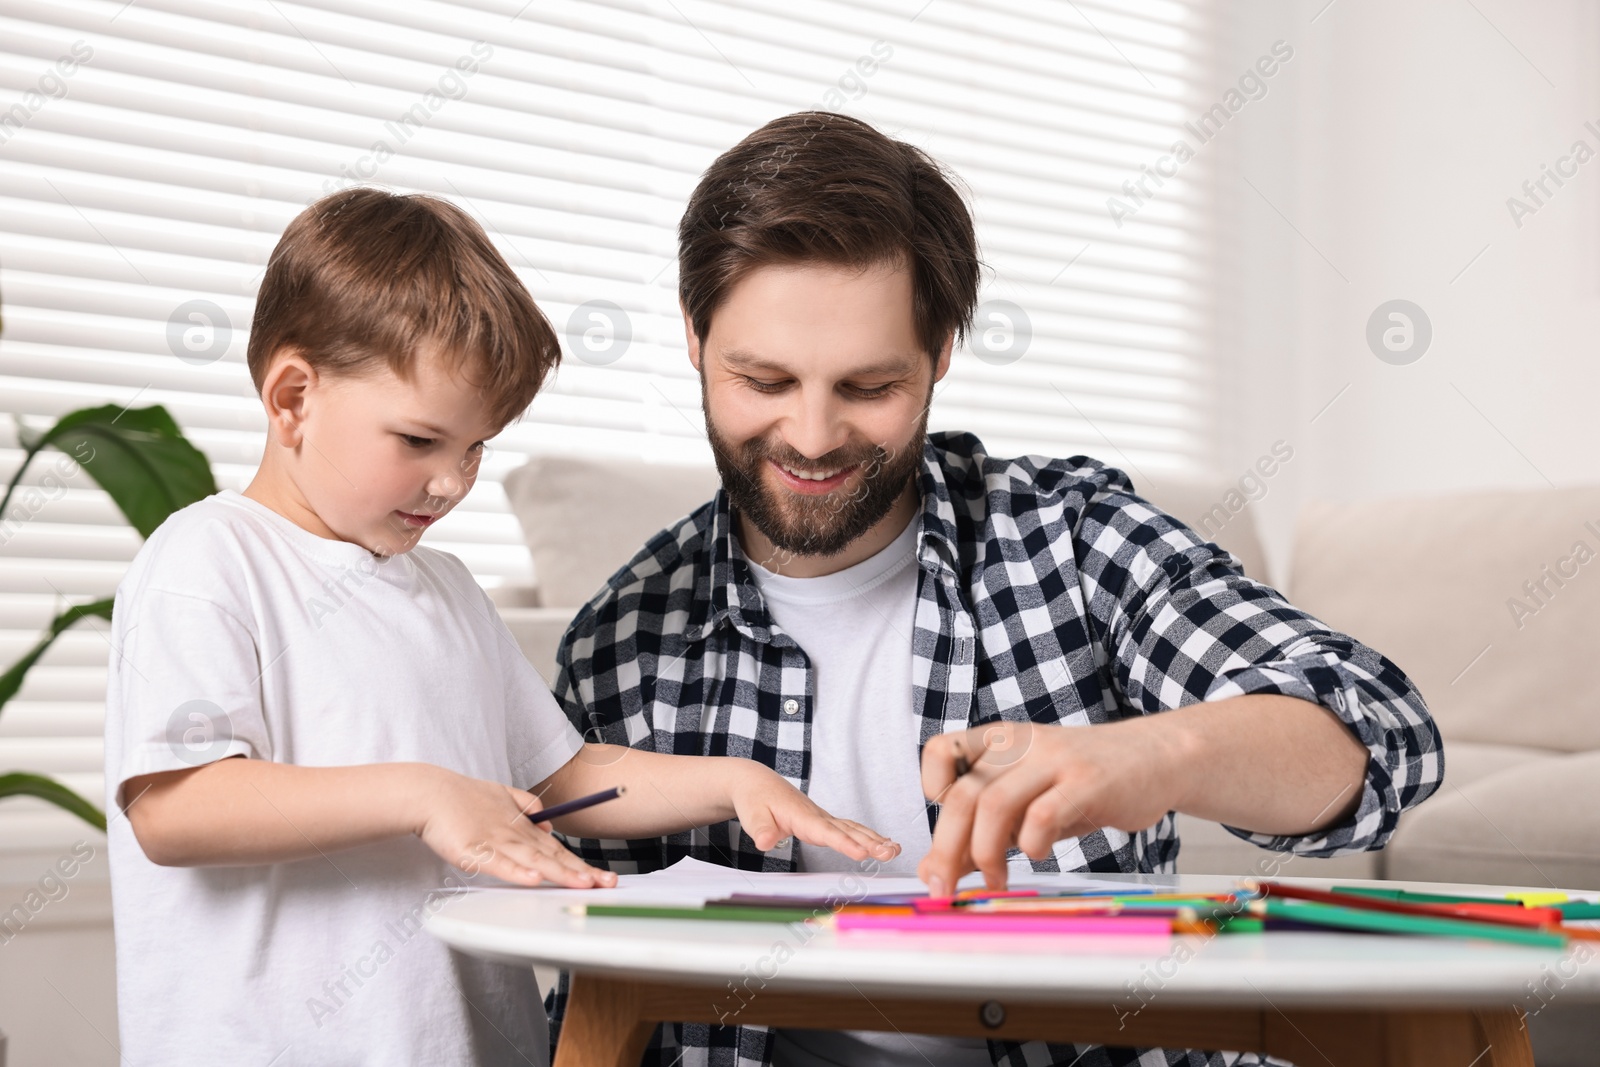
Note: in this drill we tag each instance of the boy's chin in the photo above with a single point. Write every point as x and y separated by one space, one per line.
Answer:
392 545
385 538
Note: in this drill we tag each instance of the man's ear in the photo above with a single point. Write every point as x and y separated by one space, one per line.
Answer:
284 393
941 367
690 341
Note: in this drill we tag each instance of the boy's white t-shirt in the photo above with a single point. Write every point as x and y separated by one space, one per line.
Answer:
237 633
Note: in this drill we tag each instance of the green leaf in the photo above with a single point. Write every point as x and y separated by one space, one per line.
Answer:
20 783
11 680
138 455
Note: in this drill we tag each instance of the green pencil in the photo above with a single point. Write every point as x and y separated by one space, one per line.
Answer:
1389 922
720 914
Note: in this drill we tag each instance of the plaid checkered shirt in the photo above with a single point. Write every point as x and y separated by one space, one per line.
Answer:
1049 592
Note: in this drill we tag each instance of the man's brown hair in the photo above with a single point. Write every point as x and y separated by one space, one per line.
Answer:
821 187
366 277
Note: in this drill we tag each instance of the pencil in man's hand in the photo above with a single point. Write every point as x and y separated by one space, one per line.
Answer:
964 765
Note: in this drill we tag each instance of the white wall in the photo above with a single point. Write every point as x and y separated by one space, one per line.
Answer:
57 972
1391 143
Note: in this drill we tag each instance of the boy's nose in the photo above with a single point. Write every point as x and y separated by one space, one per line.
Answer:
447 486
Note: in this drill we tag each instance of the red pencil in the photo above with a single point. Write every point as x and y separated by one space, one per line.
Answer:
1507 914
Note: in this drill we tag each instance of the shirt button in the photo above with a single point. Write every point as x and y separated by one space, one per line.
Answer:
791 706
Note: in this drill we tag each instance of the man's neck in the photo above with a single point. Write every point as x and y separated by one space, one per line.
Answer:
879 537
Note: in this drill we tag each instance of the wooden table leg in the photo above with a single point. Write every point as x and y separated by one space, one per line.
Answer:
1506 1033
609 1022
604 1025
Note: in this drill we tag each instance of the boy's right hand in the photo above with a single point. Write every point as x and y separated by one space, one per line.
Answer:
477 825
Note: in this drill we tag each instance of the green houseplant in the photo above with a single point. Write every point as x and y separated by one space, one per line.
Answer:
141 458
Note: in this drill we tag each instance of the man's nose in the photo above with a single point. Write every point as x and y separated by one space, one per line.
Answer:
816 427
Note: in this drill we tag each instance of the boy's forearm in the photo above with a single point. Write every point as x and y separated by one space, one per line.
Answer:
665 794
244 811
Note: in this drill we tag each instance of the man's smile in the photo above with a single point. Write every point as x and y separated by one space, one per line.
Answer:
812 483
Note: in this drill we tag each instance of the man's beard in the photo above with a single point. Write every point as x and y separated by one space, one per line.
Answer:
822 525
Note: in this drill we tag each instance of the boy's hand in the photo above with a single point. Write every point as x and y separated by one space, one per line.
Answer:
482 826
770 809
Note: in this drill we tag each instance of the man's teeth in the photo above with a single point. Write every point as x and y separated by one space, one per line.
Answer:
812 476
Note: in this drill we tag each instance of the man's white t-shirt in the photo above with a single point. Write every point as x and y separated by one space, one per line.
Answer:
855 627
237 633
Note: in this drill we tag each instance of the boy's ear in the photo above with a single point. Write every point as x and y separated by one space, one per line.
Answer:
284 394
689 339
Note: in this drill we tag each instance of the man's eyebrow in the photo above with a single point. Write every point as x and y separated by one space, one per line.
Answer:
739 359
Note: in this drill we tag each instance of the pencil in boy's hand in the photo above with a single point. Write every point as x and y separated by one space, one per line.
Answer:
546 814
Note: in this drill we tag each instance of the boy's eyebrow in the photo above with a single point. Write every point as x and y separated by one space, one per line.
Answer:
419 424
740 359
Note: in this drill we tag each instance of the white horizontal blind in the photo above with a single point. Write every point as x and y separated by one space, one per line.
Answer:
153 152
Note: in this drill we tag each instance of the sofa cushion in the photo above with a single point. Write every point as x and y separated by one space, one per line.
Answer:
1466 762
1532 824
1209 848
1487 600
585 518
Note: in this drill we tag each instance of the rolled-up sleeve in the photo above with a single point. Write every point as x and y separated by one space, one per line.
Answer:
1184 625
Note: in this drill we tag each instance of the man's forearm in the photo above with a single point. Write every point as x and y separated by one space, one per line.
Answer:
1263 762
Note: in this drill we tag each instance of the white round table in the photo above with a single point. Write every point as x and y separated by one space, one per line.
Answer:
1313 998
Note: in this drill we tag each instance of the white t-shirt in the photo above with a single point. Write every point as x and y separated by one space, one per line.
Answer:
855 627
237 632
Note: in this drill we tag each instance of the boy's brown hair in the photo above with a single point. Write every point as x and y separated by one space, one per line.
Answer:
821 187
365 277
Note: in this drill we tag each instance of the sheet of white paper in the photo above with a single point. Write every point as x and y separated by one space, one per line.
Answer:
691 882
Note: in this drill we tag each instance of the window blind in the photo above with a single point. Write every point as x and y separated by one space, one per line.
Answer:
151 152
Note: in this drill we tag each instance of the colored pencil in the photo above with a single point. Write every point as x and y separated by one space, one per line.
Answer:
1201 908
1504 912
1569 909
1413 896
1336 916
546 814
651 911
1003 924
766 900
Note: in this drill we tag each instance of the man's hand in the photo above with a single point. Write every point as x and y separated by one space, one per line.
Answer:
1264 762
1030 786
770 809
478 825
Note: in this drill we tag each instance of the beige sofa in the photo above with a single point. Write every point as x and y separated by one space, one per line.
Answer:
1431 582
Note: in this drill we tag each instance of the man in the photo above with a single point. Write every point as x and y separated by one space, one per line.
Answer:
865 605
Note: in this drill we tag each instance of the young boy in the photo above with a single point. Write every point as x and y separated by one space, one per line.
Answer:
311 722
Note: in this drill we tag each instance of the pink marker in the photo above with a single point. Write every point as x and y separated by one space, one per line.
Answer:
1003 924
